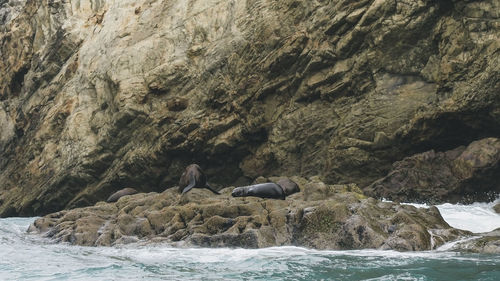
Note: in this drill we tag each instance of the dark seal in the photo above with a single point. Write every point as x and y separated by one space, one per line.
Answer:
120 193
280 190
193 177
288 186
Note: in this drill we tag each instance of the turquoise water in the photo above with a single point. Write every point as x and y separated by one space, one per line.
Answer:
29 257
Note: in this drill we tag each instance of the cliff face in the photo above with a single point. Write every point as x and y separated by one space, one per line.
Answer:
99 95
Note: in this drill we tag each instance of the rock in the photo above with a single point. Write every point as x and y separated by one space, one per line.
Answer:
497 208
487 243
465 174
97 95
320 216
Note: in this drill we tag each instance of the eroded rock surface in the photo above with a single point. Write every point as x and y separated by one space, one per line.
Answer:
487 243
321 216
99 95
465 174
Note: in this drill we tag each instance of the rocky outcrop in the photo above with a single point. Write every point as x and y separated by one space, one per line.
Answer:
100 95
321 217
487 243
465 174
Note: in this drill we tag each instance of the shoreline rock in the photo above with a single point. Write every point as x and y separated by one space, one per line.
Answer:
322 216
485 243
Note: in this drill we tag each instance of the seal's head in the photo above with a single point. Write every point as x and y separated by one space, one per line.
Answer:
239 192
289 186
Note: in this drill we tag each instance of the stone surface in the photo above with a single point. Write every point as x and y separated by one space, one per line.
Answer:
497 208
465 174
487 243
321 216
96 96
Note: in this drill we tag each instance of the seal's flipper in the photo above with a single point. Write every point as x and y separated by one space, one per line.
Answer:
187 188
211 189
192 183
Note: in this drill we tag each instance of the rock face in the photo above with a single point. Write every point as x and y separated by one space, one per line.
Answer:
321 216
465 174
99 95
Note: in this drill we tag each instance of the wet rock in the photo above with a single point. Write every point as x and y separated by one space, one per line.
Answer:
497 208
321 216
465 174
487 243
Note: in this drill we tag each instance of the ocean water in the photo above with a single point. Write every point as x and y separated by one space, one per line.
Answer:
30 257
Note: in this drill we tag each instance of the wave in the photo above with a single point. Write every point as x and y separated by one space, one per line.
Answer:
32 257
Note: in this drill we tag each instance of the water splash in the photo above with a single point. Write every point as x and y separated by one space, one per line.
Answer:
29 257
450 245
476 217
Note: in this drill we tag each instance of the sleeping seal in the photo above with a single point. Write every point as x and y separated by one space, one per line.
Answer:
193 176
120 193
288 186
280 190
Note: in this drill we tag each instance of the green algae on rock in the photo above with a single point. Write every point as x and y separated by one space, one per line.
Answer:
321 217
487 243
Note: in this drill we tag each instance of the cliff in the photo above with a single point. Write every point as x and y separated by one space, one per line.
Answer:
99 95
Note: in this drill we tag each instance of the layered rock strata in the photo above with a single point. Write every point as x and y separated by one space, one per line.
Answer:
99 95
321 216
465 174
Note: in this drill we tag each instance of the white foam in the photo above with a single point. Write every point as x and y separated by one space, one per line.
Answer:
476 217
162 261
450 245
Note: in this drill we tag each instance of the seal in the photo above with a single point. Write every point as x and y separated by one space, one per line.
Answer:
288 186
280 190
193 176
120 193
262 190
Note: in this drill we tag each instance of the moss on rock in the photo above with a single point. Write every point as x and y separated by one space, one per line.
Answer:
321 216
